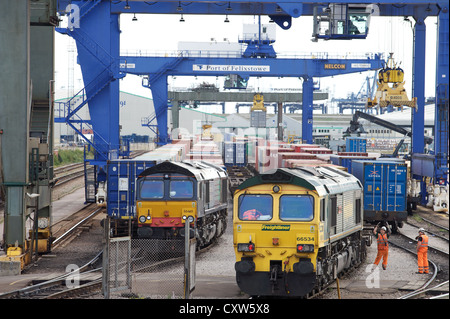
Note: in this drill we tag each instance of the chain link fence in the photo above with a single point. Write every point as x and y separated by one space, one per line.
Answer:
117 269
147 268
157 268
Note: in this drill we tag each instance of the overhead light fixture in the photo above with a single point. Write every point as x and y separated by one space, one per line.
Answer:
226 19
127 7
181 19
134 18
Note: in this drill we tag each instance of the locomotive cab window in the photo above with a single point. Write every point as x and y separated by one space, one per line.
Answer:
255 207
181 189
297 207
151 189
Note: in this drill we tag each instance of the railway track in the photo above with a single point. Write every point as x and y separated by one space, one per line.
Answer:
86 279
435 224
75 282
63 285
71 226
67 173
437 258
440 239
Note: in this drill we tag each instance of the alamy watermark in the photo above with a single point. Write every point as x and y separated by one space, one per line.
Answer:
73 15
373 279
73 280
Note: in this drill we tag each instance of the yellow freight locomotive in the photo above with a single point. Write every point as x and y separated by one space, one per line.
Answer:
296 229
170 190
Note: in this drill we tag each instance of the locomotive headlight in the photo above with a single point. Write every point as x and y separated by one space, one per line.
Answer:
276 189
142 219
305 248
247 247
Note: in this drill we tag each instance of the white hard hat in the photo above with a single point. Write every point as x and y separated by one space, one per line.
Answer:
383 228
421 230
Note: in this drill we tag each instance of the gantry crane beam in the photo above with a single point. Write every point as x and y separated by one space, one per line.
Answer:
158 68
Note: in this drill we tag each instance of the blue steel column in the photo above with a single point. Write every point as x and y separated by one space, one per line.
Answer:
160 96
442 104
307 110
98 44
418 90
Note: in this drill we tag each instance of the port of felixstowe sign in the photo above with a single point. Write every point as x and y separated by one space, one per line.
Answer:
231 68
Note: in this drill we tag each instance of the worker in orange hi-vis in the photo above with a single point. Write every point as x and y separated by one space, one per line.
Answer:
382 235
422 252
251 214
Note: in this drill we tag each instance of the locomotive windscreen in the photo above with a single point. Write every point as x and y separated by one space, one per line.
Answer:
255 207
151 189
156 189
181 189
297 207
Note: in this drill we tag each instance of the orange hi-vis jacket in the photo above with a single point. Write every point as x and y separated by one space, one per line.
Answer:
382 242
423 245
251 214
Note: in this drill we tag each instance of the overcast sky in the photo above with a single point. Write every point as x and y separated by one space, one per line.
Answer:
163 32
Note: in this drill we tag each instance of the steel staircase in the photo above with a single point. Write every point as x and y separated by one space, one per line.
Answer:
39 119
147 122
67 112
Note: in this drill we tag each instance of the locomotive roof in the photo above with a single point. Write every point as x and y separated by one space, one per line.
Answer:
198 170
324 180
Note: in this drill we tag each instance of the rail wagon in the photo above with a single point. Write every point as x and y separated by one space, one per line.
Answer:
385 191
296 229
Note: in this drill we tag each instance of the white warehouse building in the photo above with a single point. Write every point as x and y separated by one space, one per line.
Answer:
134 108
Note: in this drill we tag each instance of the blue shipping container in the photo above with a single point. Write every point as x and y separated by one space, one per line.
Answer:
121 186
355 144
346 161
235 153
384 185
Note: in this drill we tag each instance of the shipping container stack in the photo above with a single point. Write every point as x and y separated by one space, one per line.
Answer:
207 151
170 152
235 153
355 144
276 154
345 159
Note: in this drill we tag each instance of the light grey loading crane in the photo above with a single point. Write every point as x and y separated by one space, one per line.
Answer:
357 128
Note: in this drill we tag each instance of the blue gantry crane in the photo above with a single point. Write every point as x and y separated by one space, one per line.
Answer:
95 28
